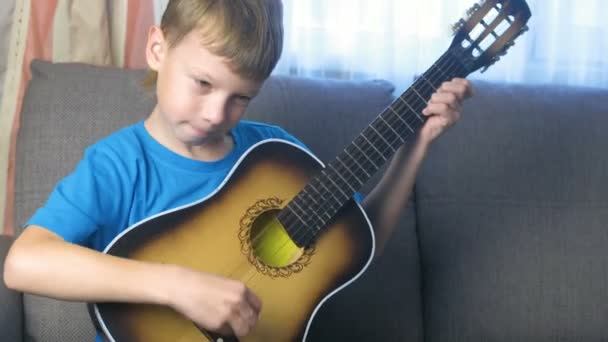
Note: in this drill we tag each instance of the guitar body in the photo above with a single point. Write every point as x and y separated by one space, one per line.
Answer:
218 235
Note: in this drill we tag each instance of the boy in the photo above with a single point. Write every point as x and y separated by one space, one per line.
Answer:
210 58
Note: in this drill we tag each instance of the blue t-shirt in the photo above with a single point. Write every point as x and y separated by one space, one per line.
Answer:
129 176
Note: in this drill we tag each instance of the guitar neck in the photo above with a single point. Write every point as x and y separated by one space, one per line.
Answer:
336 184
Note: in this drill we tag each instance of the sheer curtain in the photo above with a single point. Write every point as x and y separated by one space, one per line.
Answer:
397 39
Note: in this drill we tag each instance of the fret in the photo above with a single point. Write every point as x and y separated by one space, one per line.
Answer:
365 155
324 212
319 227
328 190
306 213
348 169
326 200
423 88
356 162
441 71
374 147
328 177
304 199
298 216
399 117
405 122
302 211
309 195
382 137
427 81
391 128
417 93
312 186
330 165
461 71
410 107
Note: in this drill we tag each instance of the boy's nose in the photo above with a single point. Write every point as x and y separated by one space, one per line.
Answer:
216 117
215 113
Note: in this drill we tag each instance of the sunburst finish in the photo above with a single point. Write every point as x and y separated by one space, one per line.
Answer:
215 236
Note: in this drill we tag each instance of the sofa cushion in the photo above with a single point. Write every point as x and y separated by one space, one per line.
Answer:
512 208
11 302
69 106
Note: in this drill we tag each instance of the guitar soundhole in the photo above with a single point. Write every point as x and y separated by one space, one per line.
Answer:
270 242
267 244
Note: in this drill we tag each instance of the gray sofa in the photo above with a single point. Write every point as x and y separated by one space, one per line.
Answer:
505 238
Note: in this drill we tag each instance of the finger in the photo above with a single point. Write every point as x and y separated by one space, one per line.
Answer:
442 112
247 313
438 108
448 98
461 87
242 321
254 301
239 326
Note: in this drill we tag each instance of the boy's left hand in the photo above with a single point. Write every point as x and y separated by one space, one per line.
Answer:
444 107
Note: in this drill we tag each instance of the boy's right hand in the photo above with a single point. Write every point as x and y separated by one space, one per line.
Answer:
70 272
215 303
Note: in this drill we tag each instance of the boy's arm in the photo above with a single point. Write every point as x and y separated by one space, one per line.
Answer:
41 262
386 201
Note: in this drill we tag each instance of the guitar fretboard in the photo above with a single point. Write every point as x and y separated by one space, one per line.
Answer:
312 209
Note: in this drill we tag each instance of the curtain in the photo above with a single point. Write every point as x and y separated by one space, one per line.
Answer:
101 32
398 39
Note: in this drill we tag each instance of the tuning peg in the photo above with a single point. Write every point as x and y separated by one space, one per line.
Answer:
509 45
457 26
522 31
472 10
492 61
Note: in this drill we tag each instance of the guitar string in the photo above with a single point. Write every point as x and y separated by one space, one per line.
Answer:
430 80
387 128
349 179
326 192
417 102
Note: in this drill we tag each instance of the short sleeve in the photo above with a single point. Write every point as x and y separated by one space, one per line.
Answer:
85 200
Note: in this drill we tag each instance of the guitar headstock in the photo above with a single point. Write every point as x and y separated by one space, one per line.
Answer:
488 31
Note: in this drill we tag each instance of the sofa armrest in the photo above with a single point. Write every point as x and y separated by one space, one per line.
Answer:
11 302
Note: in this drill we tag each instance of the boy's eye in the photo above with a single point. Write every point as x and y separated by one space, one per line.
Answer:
203 83
243 98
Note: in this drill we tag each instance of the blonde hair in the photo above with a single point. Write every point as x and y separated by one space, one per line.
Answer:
248 33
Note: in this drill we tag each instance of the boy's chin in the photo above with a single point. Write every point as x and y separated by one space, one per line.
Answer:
203 139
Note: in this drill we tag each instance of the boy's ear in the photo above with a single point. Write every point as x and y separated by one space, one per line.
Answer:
155 48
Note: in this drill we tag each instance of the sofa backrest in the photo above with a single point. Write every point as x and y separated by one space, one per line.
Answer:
69 106
512 213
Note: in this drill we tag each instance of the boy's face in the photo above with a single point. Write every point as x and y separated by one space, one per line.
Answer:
199 97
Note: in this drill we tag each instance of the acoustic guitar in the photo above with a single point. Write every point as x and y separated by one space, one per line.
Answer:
284 223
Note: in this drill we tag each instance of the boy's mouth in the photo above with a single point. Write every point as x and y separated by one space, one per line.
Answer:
199 131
